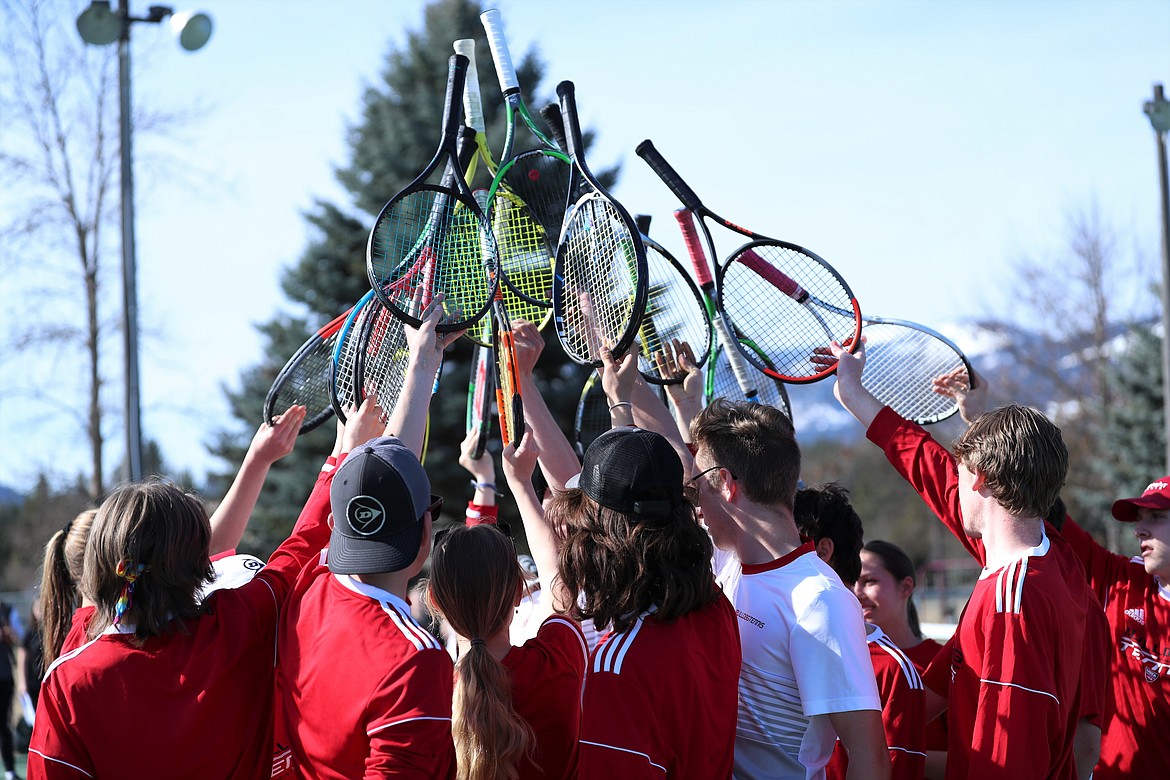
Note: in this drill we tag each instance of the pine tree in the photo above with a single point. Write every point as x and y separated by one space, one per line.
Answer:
395 136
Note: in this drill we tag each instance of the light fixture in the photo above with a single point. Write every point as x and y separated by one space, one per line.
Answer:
100 25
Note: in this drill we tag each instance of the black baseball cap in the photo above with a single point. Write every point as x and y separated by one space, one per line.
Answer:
378 497
633 471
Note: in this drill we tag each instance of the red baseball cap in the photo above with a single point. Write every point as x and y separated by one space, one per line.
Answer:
1156 496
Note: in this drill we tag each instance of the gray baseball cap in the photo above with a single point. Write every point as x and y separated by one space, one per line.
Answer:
379 496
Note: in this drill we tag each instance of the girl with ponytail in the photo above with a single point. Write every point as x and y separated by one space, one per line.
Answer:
516 709
62 572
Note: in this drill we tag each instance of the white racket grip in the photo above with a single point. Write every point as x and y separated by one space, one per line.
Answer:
472 105
493 23
735 360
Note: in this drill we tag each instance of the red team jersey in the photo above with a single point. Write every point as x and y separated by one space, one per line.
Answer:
660 699
1136 739
903 703
547 672
365 691
921 655
197 704
1016 666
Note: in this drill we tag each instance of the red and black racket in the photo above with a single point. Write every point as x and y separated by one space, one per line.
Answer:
304 379
781 297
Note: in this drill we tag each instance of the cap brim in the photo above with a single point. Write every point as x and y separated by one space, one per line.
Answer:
1126 509
348 555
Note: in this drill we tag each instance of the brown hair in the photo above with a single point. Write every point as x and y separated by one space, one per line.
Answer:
621 565
157 526
64 558
1021 455
756 443
474 580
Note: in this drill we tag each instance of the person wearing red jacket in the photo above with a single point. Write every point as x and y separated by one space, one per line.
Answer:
1015 692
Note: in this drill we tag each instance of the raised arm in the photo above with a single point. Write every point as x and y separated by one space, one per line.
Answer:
408 421
558 460
270 444
858 401
519 463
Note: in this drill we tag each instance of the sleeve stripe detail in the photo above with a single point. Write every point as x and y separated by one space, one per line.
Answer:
410 629
276 620
576 632
913 679
385 726
626 750
610 660
1009 586
62 659
59 761
1021 687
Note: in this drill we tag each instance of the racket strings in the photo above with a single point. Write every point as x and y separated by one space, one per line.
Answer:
768 390
386 357
524 258
787 303
901 363
345 366
429 241
674 310
593 418
540 180
599 277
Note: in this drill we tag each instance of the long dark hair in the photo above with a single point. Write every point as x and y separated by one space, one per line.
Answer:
898 564
474 581
60 577
622 565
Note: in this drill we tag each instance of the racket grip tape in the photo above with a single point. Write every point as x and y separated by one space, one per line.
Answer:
493 24
735 360
472 103
453 103
556 125
690 234
668 175
776 277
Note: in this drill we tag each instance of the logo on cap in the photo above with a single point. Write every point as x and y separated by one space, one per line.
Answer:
1156 486
366 515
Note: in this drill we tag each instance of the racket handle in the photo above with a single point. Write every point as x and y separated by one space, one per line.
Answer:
493 24
556 125
517 416
669 176
472 103
643 223
568 95
690 234
456 80
777 278
738 365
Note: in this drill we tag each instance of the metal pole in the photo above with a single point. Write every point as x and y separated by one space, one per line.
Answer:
133 469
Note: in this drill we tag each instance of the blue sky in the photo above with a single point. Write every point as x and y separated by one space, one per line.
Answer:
919 147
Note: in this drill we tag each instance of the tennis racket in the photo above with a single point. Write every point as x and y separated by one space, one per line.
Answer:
523 254
530 190
435 238
509 403
599 281
592 418
901 360
674 311
745 376
481 389
304 379
722 382
343 393
782 297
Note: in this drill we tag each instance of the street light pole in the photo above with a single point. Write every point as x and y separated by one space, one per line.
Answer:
99 25
129 262
1158 111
